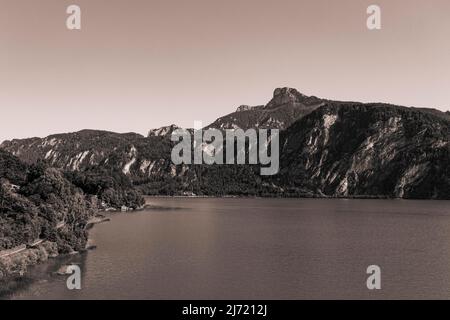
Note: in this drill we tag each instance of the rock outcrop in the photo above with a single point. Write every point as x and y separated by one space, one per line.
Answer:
163 131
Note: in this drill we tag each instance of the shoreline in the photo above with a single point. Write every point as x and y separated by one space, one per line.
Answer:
293 197
14 281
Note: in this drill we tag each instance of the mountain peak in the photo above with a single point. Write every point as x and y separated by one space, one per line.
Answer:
286 91
285 95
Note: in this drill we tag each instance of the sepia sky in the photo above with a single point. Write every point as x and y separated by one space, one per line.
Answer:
140 64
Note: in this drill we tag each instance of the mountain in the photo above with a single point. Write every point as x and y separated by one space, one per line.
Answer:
286 106
328 148
131 154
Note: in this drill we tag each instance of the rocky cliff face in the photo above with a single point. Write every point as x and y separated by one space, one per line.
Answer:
346 149
328 148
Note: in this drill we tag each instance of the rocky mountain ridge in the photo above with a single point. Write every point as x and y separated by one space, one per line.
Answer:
328 148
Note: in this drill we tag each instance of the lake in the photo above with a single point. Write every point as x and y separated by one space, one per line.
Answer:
234 248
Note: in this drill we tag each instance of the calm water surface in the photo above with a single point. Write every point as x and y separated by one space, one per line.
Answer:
261 249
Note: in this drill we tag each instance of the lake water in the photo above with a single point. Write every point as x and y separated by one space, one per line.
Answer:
261 249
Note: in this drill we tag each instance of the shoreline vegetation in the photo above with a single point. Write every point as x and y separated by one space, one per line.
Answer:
14 266
46 212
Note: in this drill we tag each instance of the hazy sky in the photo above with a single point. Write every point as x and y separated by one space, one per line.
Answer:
138 64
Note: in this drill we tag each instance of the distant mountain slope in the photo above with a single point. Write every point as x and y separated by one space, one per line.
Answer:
71 150
130 154
328 148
